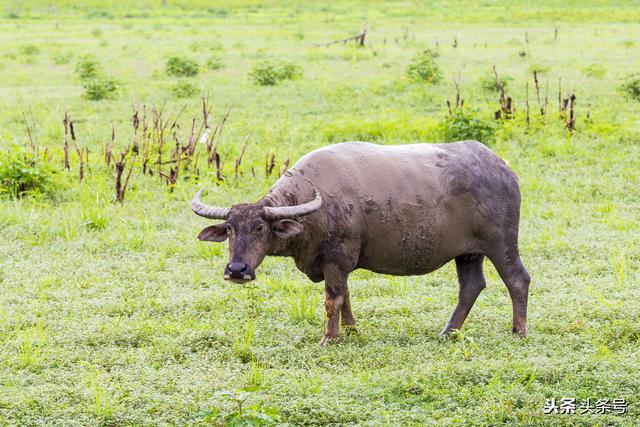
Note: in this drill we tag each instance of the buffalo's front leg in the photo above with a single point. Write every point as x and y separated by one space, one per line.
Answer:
335 295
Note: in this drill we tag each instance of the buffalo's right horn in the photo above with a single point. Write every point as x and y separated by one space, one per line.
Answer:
211 212
280 212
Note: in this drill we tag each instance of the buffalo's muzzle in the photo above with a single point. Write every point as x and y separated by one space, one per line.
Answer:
238 272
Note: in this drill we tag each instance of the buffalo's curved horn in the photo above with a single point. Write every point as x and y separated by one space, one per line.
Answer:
280 212
211 212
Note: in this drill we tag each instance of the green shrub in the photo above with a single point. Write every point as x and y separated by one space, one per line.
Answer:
269 73
100 88
631 86
463 126
21 173
184 89
88 68
423 68
180 66
215 63
489 83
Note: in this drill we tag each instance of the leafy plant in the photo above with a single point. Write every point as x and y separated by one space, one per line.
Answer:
269 73
255 415
22 172
463 126
631 86
181 66
423 68
184 89
100 88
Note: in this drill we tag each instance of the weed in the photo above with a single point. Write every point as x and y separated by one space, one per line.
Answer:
181 66
255 415
269 73
423 68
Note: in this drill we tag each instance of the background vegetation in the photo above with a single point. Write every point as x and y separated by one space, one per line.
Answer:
114 314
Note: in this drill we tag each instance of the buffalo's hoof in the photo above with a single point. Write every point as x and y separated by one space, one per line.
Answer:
519 333
327 339
446 333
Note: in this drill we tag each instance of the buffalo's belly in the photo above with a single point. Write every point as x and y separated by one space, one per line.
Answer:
407 255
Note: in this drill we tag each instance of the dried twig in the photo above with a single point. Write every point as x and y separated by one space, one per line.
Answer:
359 38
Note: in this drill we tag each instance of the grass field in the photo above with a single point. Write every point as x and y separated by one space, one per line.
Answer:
116 315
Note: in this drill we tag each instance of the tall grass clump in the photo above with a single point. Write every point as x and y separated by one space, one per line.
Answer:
423 68
302 306
267 73
22 172
30 350
181 66
242 344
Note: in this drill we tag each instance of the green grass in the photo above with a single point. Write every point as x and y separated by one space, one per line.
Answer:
115 314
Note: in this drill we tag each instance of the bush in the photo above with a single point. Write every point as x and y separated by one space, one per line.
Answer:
100 88
215 63
21 172
631 86
88 68
184 89
423 68
462 126
269 73
489 83
180 66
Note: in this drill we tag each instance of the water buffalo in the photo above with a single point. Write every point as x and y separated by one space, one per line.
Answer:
400 210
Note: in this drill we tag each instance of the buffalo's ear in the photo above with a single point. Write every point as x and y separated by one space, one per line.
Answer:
214 233
286 228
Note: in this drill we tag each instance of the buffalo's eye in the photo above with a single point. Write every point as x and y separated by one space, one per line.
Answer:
259 227
228 228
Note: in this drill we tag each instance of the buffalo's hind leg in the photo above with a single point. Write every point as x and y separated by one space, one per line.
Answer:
471 281
516 277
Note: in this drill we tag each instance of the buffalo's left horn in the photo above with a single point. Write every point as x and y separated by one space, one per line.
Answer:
280 212
212 212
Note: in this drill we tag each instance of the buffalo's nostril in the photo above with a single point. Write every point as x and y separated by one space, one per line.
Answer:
237 267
